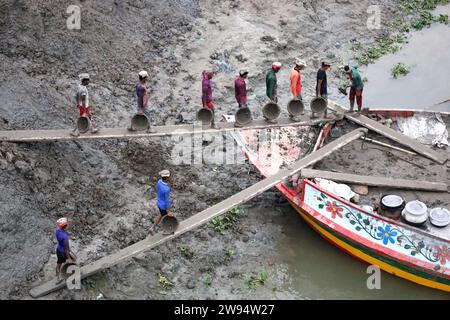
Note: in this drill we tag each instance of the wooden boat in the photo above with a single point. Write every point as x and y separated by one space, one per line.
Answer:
396 247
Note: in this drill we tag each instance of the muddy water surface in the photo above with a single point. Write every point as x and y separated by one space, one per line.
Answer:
427 85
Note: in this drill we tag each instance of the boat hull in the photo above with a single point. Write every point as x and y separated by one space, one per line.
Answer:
373 257
367 258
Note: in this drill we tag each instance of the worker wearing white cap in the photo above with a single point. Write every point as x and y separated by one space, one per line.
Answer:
63 249
271 81
142 99
163 197
82 99
296 78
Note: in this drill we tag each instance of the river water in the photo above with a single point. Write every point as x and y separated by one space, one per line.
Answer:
318 269
428 84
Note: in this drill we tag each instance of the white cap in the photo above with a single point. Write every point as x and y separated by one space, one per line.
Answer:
61 222
165 173
300 62
143 74
84 76
276 65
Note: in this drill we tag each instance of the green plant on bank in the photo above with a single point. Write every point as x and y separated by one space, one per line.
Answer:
421 12
186 251
412 6
165 283
229 254
416 14
426 19
259 280
384 46
227 221
207 280
400 69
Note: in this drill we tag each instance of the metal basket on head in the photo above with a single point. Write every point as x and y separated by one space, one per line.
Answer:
169 224
83 124
140 122
271 111
243 116
205 116
318 105
295 107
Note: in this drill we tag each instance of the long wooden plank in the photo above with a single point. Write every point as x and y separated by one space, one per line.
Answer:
373 125
375 181
182 129
204 216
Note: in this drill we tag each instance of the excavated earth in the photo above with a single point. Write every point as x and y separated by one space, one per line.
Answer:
106 188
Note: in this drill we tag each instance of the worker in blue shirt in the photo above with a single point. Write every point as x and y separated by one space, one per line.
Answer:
163 197
63 249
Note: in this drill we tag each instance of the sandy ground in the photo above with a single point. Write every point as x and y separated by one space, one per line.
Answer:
107 188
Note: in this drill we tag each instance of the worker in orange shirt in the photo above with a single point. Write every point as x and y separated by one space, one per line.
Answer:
296 79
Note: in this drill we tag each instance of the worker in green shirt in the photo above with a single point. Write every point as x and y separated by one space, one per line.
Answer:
271 82
356 87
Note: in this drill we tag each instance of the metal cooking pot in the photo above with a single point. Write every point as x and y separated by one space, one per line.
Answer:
440 217
392 206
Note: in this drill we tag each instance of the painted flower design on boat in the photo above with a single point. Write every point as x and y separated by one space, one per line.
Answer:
442 254
387 234
401 240
334 209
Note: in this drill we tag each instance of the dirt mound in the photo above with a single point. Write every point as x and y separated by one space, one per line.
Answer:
40 61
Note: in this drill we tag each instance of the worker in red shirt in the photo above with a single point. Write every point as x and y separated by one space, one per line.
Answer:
207 97
240 89
296 79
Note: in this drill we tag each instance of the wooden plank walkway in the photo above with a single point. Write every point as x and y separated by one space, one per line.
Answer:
123 133
204 216
375 181
373 125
